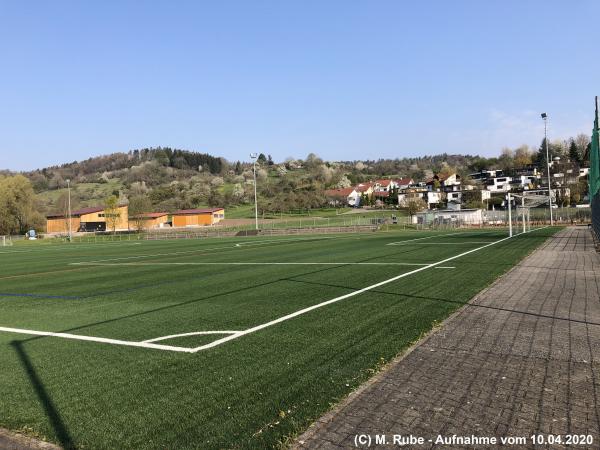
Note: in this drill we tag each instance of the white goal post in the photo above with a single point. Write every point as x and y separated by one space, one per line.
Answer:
521 220
6 241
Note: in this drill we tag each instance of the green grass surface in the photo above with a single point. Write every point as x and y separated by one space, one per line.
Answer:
256 391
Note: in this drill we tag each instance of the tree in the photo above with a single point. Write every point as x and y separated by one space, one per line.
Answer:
262 159
17 206
582 141
161 157
415 205
522 156
138 205
111 212
270 160
540 157
574 155
506 160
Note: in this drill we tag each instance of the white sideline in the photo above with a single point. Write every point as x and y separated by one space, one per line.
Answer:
237 334
249 264
447 243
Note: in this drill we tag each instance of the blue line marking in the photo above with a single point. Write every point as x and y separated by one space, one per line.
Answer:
63 297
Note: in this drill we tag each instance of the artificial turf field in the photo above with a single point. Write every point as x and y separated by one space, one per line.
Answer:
273 355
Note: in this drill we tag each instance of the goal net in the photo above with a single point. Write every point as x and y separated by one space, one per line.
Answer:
525 209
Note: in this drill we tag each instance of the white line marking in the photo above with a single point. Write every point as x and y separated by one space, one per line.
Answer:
238 334
194 333
99 339
444 267
419 239
456 233
73 246
446 243
184 252
343 297
248 264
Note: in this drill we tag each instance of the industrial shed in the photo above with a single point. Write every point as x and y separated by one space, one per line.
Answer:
151 220
197 217
86 219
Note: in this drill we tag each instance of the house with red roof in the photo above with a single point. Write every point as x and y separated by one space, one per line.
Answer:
346 196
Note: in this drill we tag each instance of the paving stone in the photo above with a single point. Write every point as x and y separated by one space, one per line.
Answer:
522 358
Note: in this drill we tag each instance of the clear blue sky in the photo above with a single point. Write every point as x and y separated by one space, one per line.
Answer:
343 79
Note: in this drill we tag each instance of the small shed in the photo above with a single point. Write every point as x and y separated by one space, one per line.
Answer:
198 217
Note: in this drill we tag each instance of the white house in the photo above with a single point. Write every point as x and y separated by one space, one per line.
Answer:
404 183
498 184
349 196
433 198
384 185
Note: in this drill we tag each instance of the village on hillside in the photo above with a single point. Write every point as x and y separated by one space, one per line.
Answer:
468 200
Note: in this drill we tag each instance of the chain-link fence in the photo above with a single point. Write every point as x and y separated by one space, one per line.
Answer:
594 177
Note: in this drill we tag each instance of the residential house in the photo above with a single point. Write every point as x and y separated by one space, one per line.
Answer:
384 185
344 196
498 184
404 183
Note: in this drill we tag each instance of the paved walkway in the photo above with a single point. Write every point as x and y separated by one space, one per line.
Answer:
522 358
14 441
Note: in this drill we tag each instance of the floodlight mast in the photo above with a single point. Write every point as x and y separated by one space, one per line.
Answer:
510 230
254 156
545 119
69 210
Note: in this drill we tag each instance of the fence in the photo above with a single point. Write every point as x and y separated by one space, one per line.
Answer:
594 177
499 218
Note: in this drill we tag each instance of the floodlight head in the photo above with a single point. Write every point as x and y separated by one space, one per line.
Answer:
68 181
544 116
253 155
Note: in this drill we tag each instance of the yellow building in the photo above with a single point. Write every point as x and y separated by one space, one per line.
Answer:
198 217
87 219
150 220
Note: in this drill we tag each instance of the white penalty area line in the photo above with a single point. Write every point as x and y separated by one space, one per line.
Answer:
237 334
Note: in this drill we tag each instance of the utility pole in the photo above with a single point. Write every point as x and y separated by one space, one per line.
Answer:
545 118
510 231
254 156
69 210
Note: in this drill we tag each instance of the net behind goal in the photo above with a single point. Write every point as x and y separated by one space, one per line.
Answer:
526 209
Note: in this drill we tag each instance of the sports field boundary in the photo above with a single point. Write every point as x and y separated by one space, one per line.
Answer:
149 344
480 384
314 429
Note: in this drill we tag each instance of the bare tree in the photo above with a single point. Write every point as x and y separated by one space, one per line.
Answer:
111 212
